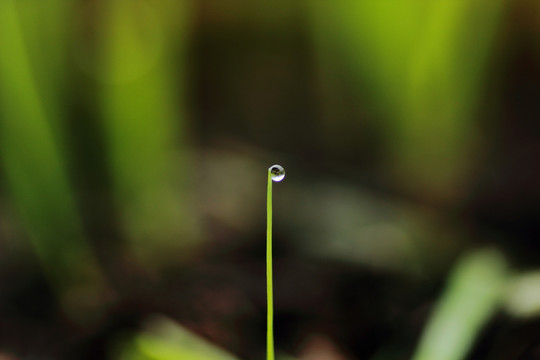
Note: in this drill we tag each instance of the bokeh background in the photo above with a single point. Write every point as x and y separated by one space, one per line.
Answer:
135 137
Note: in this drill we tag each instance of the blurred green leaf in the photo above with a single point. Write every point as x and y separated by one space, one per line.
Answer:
419 65
163 339
143 117
473 294
30 150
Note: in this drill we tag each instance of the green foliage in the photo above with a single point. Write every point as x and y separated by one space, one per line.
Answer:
419 65
416 64
31 145
143 122
165 340
474 293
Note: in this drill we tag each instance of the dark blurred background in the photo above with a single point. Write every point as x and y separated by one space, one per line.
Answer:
135 137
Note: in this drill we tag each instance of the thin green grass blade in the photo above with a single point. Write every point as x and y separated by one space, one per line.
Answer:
269 276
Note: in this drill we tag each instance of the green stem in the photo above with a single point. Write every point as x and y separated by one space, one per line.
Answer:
269 281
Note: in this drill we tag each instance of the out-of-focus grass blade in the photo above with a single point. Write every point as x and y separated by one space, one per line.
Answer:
32 162
163 339
143 117
446 70
45 26
421 64
474 292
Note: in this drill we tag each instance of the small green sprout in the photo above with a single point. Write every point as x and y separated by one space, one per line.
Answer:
275 173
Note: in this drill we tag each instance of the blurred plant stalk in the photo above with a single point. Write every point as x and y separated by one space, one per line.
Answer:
143 117
419 67
474 293
33 159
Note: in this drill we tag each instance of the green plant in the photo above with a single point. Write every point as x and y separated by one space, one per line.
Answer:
275 173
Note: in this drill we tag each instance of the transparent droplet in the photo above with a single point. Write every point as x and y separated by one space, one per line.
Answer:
278 172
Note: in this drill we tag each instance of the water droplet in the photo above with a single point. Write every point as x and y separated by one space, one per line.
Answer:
278 172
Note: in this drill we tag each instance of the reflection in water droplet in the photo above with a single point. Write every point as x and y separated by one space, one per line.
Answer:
278 172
